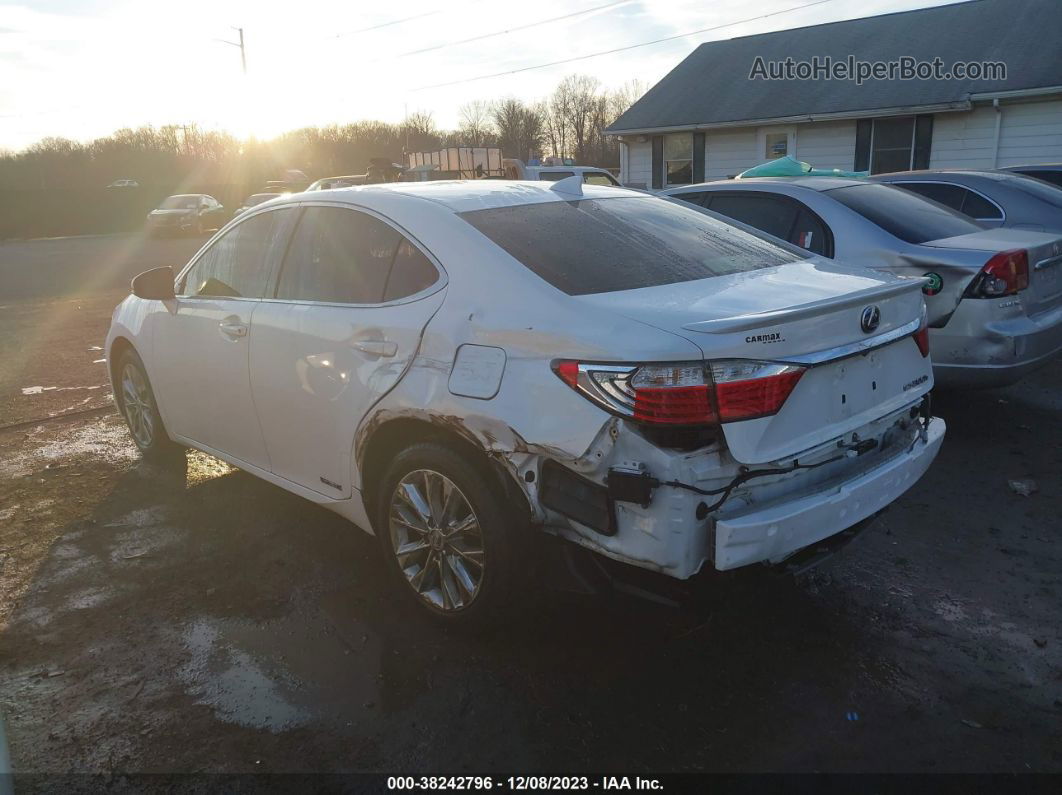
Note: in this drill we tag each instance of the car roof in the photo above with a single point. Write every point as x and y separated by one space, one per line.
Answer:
811 183
571 168
465 195
998 176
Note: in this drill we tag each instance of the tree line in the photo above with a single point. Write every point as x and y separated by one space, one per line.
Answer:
569 123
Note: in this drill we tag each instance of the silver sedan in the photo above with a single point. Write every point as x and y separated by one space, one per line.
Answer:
992 198
994 296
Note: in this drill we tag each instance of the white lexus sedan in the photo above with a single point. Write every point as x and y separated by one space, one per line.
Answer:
461 367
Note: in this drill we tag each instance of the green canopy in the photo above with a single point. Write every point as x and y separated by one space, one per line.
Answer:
791 167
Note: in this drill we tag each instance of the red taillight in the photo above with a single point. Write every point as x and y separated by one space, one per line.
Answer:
569 372
677 405
1005 274
684 393
755 397
921 338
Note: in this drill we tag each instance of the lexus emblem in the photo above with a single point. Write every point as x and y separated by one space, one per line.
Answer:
870 318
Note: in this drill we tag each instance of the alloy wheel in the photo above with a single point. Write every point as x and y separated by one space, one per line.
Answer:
437 540
136 401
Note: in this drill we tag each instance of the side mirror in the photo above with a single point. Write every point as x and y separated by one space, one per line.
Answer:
155 284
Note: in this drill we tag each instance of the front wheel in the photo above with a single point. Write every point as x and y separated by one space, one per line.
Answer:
449 534
137 403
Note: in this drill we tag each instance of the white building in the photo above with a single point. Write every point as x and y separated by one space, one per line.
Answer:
709 118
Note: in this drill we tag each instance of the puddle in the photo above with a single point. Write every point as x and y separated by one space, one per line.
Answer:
90 597
105 440
143 542
280 675
36 390
141 517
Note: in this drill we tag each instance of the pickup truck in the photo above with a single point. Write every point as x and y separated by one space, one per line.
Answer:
552 169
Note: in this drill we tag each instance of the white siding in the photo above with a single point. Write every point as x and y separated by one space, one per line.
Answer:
729 152
1031 133
963 139
823 144
827 144
639 164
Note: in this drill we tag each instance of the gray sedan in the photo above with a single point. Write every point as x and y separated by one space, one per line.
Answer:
993 296
993 198
1048 172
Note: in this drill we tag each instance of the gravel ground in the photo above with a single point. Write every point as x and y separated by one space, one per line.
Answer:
199 619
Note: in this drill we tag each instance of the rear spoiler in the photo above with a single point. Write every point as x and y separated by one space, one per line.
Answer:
756 320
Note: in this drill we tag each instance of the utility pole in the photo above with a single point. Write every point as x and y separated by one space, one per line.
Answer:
243 52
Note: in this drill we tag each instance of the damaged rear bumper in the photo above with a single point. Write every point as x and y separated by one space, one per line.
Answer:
775 533
676 531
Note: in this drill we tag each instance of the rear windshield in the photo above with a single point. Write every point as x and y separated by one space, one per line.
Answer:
180 203
903 214
1044 191
605 245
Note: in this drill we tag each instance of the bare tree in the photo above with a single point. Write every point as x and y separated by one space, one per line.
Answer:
420 131
476 127
521 127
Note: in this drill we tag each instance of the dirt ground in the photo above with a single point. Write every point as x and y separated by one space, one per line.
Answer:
199 619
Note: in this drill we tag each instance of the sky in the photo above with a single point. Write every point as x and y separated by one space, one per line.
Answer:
81 69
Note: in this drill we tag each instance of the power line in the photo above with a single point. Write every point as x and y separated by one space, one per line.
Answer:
619 49
388 24
529 25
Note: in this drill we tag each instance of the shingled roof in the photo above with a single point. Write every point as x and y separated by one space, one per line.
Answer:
711 87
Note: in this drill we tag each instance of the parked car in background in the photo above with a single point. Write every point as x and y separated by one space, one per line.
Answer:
993 198
254 200
552 169
994 296
186 213
348 181
124 183
645 380
1048 172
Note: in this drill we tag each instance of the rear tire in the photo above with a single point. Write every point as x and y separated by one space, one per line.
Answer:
136 401
451 535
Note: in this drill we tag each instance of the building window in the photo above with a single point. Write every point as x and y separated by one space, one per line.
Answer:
678 159
776 145
892 145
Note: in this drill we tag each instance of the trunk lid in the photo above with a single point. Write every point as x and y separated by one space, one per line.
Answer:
1045 260
809 313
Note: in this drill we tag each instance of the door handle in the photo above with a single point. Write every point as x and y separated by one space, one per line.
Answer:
234 330
376 347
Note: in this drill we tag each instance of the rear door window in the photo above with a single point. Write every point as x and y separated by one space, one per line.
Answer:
810 233
597 178
237 265
345 256
977 206
949 195
411 272
904 214
605 245
555 176
772 214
